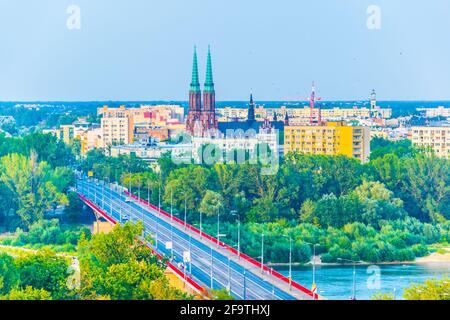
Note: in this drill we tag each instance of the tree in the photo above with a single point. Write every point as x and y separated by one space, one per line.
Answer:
29 293
44 270
432 289
378 203
9 275
307 212
221 294
212 203
119 266
30 186
331 211
383 296
427 185
188 183
74 208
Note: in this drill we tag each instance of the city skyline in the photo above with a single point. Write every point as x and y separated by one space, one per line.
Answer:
274 51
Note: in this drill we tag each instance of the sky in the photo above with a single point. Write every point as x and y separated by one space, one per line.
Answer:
142 49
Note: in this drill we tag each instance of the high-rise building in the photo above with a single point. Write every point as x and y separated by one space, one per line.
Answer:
330 138
117 129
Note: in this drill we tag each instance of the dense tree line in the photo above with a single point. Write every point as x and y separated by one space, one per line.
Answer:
35 176
400 187
115 266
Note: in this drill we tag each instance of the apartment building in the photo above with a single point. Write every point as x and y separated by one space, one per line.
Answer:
229 113
331 138
435 138
435 112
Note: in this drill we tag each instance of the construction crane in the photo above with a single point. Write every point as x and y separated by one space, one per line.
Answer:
312 103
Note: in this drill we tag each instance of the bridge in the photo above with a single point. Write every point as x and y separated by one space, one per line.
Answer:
201 261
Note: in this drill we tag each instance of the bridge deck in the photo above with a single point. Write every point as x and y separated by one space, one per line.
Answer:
242 275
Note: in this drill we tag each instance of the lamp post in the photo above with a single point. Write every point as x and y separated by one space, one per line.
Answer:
201 230
262 253
190 255
218 228
157 214
354 275
229 275
290 263
290 260
212 269
314 268
245 284
139 200
148 191
185 211
234 213
171 222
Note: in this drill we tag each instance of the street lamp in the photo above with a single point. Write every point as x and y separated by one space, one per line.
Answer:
354 274
201 230
218 227
148 191
171 222
212 269
234 213
262 253
139 199
314 267
245 284
185 211
290 261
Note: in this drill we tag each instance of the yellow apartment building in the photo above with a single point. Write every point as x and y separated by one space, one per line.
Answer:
331 138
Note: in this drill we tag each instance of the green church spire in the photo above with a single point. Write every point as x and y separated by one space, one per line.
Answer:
195 83
209 83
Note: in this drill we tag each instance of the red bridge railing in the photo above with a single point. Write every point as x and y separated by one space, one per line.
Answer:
227 247
197 287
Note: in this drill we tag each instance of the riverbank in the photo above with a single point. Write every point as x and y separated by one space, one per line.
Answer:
436 257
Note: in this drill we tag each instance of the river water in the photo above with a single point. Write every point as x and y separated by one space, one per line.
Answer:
336 282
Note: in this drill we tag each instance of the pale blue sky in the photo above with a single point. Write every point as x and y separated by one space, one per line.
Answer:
142 49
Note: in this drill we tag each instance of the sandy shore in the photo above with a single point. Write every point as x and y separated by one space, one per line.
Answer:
435 258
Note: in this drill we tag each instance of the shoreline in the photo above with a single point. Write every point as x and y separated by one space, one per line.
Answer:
433 258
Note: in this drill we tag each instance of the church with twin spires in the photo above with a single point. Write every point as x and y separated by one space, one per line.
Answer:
201 119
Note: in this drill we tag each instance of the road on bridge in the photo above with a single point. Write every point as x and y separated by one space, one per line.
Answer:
206 262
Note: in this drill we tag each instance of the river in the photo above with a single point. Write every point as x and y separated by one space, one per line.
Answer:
336 282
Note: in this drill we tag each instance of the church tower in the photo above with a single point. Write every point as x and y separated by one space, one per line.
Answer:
195 99
251 110
373 104
209 121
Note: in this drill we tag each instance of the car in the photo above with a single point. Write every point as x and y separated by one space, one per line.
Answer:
127 199
125 218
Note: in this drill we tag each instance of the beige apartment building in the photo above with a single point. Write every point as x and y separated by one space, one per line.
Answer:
436 112
331 138
229 113
436 138
117 130
156 115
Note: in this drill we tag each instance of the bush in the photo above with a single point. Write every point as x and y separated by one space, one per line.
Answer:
48 232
